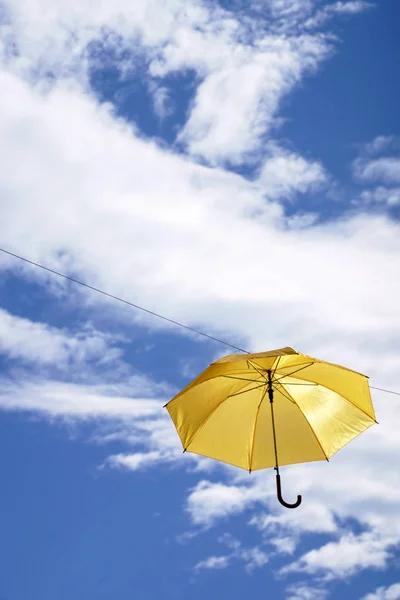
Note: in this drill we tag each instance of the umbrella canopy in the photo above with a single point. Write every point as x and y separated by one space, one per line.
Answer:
272 408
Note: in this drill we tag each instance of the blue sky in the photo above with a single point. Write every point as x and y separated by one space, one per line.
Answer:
234 166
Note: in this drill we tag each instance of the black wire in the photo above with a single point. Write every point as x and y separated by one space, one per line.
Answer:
382 390
146 310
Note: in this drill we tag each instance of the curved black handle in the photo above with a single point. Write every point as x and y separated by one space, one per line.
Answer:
279 494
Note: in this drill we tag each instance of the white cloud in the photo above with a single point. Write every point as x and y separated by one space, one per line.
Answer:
129 411
380 143
79 161
380 195
291 8
389 593
344 558
286 173
78 401
329 290
57 37
228 121
284 545
138 460
305 592
37 342
312 517
161 101
213 562
253 558
385 169
231 542
302 220
294 16
372 168
330 497
209 502
155 434
351 7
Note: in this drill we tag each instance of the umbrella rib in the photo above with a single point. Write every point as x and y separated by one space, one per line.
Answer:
241 378
245 391
289 397
276 368
309 424
290 383
255 367
293 372
255 429
192 386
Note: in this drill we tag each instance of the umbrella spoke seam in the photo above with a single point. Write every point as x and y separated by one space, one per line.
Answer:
276 368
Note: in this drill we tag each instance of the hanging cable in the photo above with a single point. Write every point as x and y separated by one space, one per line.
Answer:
141 308
382 390
146 310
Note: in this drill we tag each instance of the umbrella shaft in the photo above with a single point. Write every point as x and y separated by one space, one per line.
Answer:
271 401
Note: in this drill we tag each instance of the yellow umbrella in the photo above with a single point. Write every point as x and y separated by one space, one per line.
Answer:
273 408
